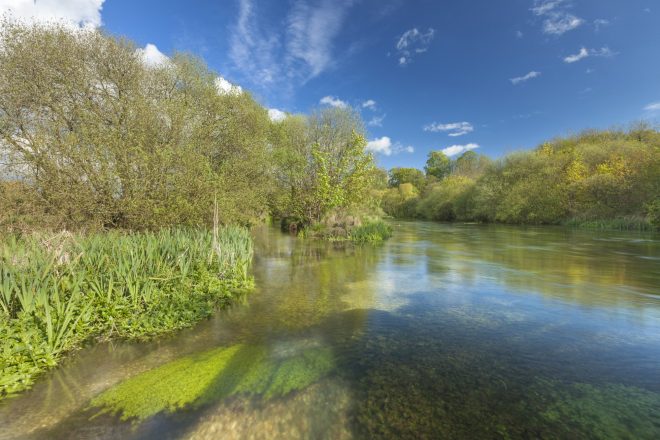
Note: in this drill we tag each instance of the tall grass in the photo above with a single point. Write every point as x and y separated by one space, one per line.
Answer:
57 291
371 232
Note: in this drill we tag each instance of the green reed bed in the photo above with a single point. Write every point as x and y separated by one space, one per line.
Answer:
58 291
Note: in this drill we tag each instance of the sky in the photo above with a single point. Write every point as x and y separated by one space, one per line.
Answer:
483 75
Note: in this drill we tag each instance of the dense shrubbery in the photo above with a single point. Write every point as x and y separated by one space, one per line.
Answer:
56 292
597 179
93 137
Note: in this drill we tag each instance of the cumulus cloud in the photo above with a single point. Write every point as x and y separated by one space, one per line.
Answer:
557 20
151 56
224 87
653 107
453 129
381 145
333 102
296 52
81 13
376 121
276 115
413 42
370 104
385 147
458 149
521 79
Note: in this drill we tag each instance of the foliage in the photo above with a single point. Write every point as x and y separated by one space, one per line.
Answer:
400 176
321 166
596 179
437 165
56 292
98 138
206 377
371 232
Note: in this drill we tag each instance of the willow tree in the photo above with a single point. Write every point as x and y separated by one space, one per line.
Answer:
106 139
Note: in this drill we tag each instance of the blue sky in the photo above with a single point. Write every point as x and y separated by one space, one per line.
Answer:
494 76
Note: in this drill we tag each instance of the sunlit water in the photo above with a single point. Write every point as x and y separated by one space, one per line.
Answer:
443 332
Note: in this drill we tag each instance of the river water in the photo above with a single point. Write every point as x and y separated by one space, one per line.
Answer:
445 331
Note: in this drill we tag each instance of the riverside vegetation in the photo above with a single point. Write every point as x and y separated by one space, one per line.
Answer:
131 156
597 179
57 292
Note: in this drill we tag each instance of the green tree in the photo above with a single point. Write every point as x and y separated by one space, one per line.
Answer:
438 165
399 176
106 140
321 165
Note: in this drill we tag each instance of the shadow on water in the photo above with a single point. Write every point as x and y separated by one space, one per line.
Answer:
444 332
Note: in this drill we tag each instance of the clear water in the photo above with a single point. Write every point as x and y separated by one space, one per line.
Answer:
445 331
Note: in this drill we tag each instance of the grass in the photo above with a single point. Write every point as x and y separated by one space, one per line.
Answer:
58 291
371 232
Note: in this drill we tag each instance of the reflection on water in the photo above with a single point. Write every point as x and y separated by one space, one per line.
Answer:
462 331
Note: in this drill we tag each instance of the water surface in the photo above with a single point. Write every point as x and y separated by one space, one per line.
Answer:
445 331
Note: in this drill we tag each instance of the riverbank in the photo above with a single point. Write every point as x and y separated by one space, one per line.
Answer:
59 291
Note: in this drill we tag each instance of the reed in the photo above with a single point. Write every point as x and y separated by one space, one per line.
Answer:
57 291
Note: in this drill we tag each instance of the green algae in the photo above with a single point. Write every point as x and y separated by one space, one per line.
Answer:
610 411
203 378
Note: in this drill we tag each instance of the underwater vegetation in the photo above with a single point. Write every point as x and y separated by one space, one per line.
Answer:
206 377
57 292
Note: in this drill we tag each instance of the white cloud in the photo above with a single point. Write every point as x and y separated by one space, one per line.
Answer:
376 121
557 19
151 56
380 146
82 13
290 54
521 79
413 42
600 22
603 52
224 87
578 56
584 53
519 34
653 107
454 129
560 24
385 146
370 104
543 7
332 101
458 149
276 115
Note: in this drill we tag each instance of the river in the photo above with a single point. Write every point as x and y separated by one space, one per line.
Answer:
444 331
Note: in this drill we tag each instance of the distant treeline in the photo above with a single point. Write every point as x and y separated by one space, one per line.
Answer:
94 137
597 178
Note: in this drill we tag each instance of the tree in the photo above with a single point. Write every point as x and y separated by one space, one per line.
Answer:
399 176
471 164
106 140
438 165
322 165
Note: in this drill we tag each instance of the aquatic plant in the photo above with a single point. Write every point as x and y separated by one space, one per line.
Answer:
372 232
57 291
608 411
207 377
